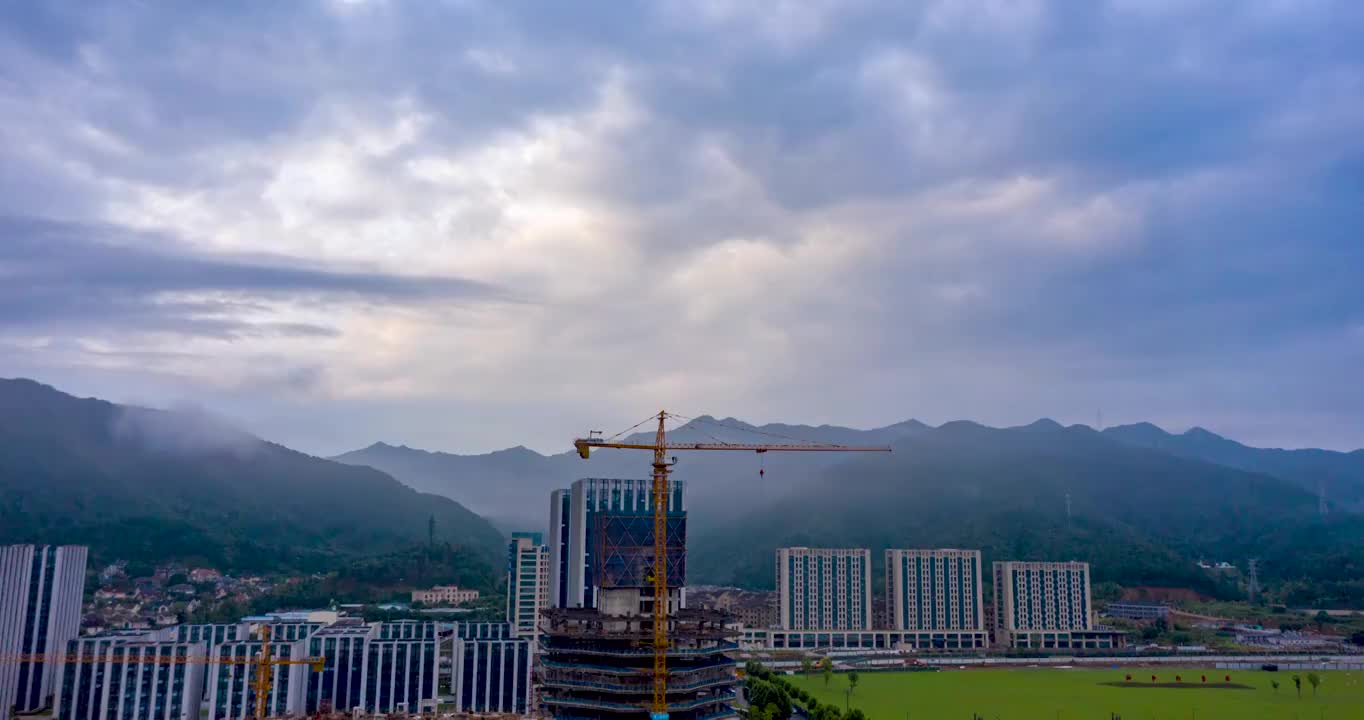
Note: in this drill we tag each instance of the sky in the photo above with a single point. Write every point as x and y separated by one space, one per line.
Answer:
466 226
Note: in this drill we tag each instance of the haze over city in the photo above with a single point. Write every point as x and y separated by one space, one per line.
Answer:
467 226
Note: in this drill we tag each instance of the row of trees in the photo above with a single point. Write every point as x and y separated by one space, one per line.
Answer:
1313 679
771 697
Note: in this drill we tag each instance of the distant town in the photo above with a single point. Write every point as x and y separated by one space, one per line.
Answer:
578 600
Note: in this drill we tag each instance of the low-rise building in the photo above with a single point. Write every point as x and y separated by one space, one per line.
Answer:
200 575
749 608
908 641
1138 610
452 594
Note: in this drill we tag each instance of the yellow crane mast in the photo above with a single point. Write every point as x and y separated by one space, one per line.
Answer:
264 663
661 467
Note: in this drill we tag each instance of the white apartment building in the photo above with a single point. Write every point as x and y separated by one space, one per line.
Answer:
527 584
824 588
936 589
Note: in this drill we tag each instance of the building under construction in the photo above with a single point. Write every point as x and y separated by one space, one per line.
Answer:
595 665
598 661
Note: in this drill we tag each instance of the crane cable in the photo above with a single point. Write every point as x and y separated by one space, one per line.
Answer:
747 430
651 418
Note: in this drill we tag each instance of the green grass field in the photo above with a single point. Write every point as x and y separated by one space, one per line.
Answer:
1048 694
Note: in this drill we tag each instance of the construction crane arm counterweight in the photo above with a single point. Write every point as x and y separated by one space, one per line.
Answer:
660 448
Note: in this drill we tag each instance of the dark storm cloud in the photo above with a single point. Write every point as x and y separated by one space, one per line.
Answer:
1219 146
63 275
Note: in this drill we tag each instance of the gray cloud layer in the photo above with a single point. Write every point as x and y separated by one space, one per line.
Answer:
87 277
311 214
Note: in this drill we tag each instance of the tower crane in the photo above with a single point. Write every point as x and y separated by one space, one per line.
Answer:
661 468
263 662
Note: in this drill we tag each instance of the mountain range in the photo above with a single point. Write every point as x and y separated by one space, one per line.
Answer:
1139 503
137 483
511 486
1144 504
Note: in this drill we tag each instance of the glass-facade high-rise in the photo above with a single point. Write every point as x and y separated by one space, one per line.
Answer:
232 685
492 676
824 588
560 510
40 610
130 678
401 675
211 633
482 630
338 687
408 630
607 517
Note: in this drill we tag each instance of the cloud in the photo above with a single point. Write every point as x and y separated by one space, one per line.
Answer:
469 225
187 430
67 277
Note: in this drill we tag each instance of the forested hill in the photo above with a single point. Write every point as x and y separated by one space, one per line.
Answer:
157 485
1338 475
1139 515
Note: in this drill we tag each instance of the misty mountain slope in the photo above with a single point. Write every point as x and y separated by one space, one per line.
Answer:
1140 516
1341 475
154 484
512 486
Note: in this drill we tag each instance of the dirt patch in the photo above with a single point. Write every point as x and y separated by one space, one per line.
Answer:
1179 685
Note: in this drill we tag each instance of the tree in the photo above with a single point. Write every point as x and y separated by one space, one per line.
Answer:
1322 619
771 698
1315 681
827 666
852 682
857 714
1274 684
1297 682
828 712
806 665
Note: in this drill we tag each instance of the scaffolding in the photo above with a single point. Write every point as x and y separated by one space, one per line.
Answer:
601 666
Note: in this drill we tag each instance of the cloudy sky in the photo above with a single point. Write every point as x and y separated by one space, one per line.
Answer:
465 225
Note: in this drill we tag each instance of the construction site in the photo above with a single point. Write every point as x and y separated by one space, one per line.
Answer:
623 639
596 665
